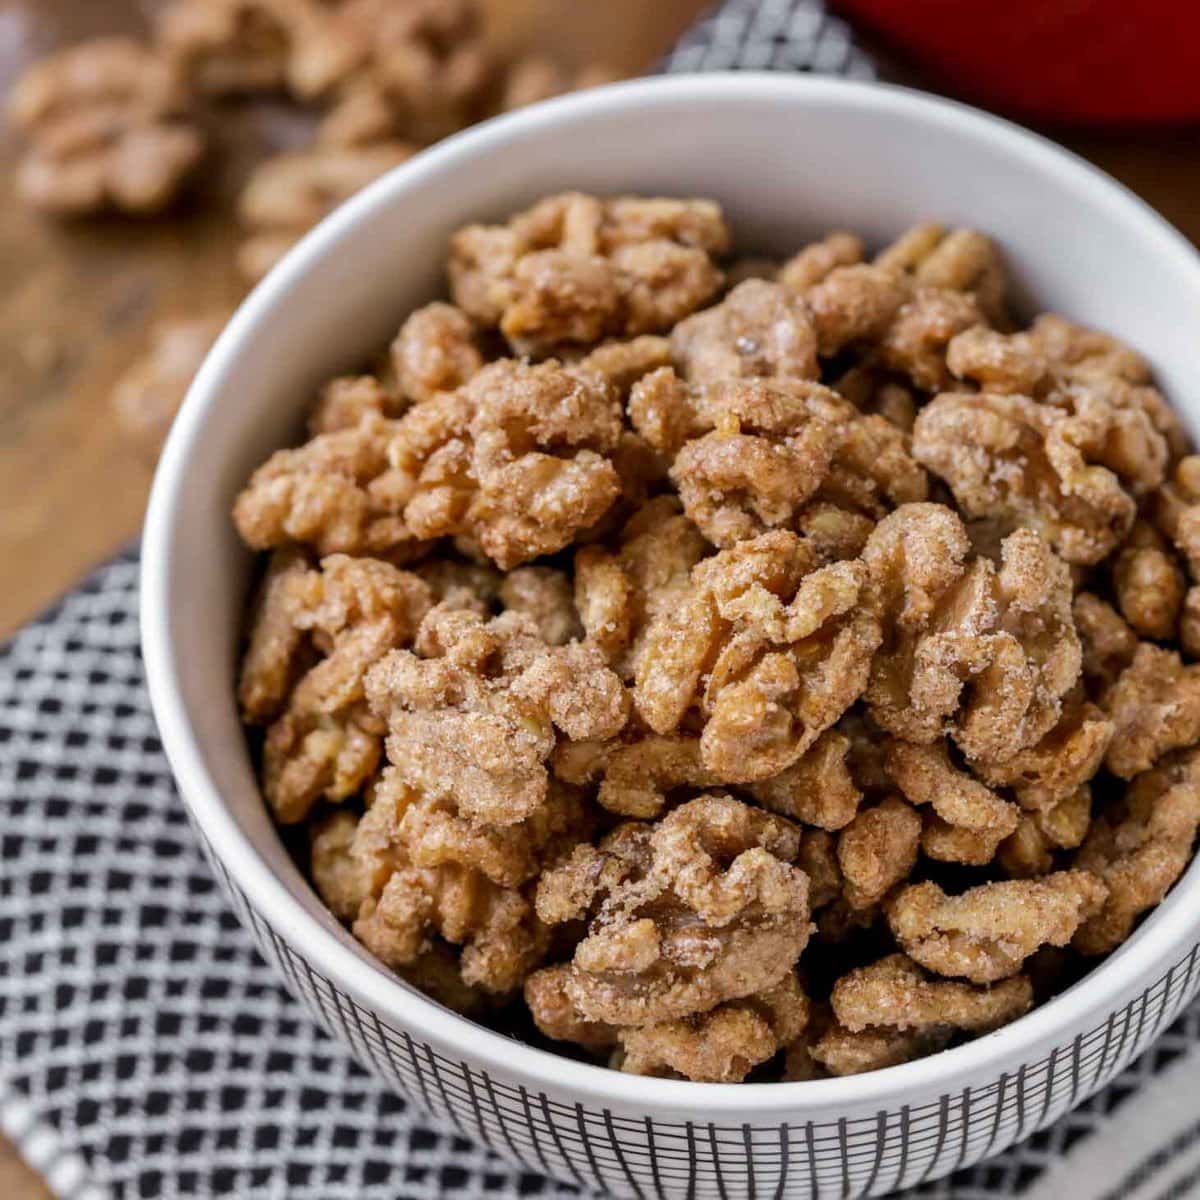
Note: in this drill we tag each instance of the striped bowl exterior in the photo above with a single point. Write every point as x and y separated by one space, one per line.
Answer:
644 1157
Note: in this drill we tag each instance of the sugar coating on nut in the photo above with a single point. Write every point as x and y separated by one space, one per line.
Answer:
471 713
321 740
1140 847
732 643
722 1045
107 128
949 621
1154 705
988 931
730 914
574 268
898 994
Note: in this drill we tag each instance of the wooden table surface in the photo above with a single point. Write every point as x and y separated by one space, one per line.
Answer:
78 299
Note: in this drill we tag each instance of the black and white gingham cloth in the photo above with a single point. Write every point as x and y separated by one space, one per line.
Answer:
147 1051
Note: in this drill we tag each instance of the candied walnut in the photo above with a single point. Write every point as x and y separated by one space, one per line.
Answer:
916 341
1033 364
340 491
557 1017
987 932
905 254
471 716
1148 584
997 362
1108 642
148 395
819 861
817 260
1063 826
545 596
288 194
534 78
944 842
635 776
855 304
107 129
1139 847
352 612
963 260
759 331
723 1045
836 534
871 390
435 351
1027 853
461 584
1034 658
877 850
539 440
1154 706
603 596
786 650
829 1048
1176 511
426 70
1049 773
238 46
985 653
896 993
433 833
756 452
338 877
514 460
272 658
818 789
351 873
347 401
496 927
768 699
873 470
700 908
575 269
1064 473
438 973
1087 351
620 597
978 820
407 907
839 1052
621 363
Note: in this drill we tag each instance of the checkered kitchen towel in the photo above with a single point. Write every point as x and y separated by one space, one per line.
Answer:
146 1049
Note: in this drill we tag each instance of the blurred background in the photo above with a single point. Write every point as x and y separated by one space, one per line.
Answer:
104 315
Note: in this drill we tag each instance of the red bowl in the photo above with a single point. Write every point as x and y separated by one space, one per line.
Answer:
1101 62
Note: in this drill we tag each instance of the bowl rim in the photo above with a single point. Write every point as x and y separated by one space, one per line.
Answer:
1165 931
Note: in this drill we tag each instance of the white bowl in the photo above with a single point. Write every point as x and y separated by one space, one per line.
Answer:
789 158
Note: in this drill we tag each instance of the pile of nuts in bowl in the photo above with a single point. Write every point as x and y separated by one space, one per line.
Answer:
727 668
125 124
